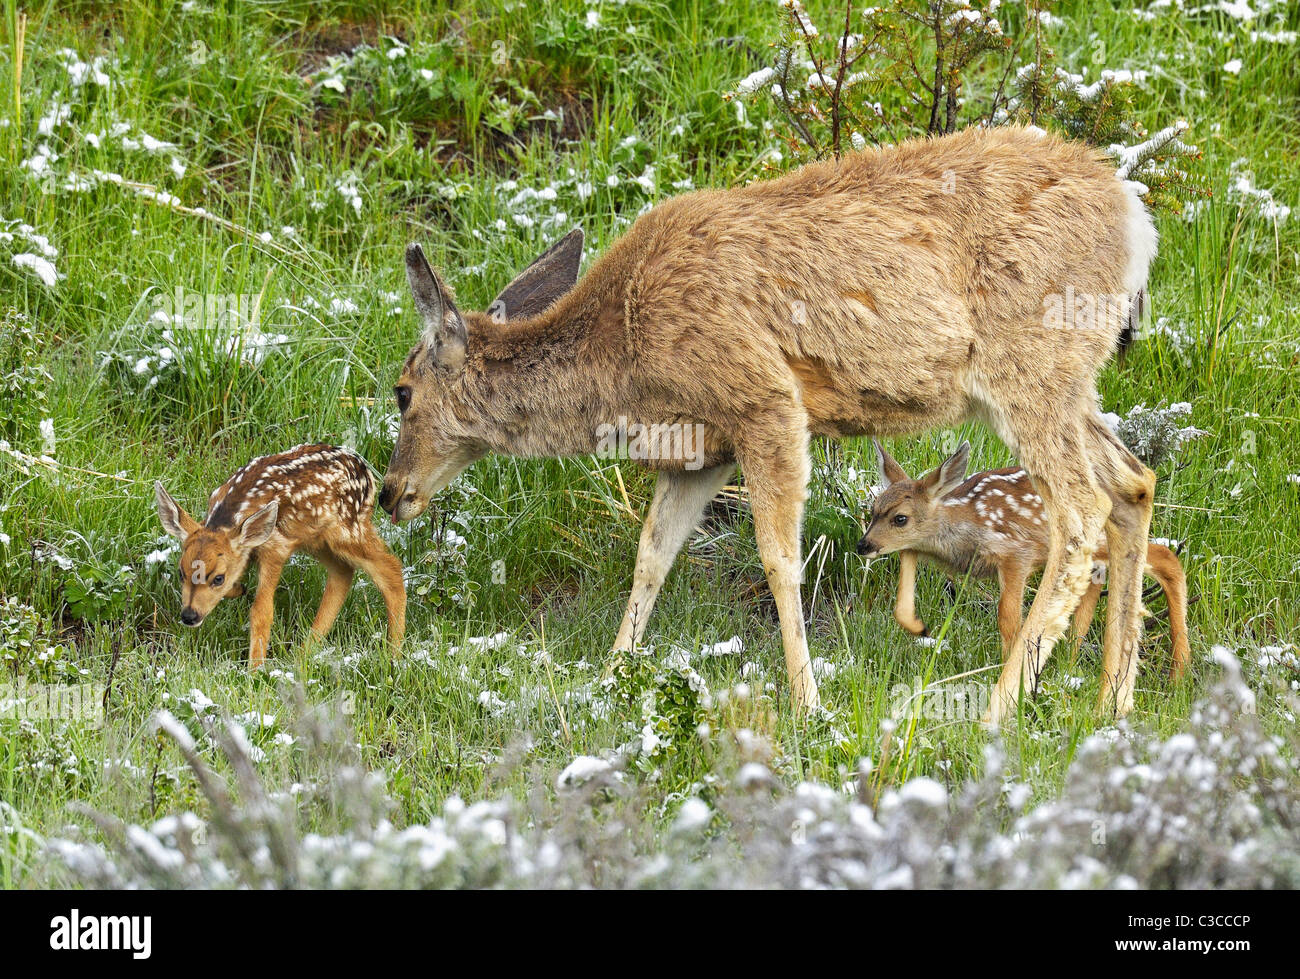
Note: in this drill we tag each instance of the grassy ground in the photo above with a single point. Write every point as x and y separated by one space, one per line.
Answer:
494 129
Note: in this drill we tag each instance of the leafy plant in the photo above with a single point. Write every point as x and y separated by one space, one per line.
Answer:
1155 434
669 698
26 645
24 380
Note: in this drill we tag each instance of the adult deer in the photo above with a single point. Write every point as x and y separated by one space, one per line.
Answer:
884 293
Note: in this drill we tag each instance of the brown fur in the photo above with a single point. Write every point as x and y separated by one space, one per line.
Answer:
314 498
989 524
850 297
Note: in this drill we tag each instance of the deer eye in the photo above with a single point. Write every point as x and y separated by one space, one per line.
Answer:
403 398
218 581
900 520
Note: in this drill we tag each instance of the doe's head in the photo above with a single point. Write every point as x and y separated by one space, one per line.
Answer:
906 513
439 433
213 559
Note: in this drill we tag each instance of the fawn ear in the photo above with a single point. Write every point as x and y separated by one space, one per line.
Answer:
950 473
550 276
444 327
890 471
257 529
174 519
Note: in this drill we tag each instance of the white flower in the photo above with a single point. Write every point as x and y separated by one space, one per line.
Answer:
47 436
650 741
752 83
43 268
582 769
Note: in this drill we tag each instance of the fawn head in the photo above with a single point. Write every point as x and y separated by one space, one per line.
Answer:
213 559
437 439
906 513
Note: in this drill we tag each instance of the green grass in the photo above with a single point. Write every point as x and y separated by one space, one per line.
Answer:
263 148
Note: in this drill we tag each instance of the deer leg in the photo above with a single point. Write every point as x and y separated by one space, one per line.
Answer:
1131 489
263 610
680 498
1163 565
905 604
1052 449
337 586
777 478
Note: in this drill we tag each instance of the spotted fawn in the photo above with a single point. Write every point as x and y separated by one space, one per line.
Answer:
992 523
313 498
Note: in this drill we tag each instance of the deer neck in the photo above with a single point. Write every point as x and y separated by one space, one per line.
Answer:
541 387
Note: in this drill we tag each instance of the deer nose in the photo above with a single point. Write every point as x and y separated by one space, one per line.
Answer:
867 547
190 617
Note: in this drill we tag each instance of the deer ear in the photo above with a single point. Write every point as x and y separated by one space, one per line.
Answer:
550 276
174 519
890 471
950 473
444 328
257 529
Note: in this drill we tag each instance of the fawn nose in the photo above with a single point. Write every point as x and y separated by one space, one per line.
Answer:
388 497
867 547
190 617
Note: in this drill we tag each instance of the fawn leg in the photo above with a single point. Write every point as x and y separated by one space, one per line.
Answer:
1131 488
1164 566
1084 613
1011 600
270 565
337 586
905 604
385 570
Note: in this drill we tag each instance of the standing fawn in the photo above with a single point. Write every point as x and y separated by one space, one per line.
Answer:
991 523
984 274
314 498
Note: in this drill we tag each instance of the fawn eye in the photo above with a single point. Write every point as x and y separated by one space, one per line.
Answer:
900 520
403 398
218 581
